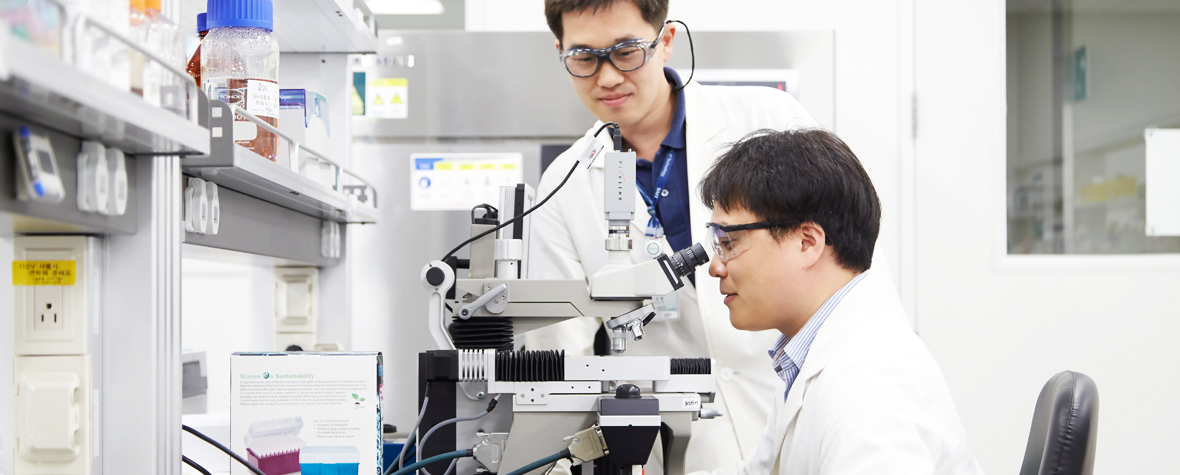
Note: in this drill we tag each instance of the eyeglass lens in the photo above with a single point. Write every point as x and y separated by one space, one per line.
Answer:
627 58
728 245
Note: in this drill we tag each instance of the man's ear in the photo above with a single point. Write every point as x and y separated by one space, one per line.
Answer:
666 41
812 242
557 44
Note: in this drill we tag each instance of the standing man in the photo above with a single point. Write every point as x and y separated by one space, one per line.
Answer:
614 51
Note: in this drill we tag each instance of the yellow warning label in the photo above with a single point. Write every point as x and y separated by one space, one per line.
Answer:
388 82
377 100
396 99
43 272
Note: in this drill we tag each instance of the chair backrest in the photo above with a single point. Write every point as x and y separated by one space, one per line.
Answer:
1064 427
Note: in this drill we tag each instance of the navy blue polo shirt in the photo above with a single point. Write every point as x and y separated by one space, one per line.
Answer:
671 209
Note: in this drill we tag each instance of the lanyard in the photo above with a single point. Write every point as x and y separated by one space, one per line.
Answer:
654 228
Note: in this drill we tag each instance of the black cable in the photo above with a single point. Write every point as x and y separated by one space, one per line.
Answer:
222 448
412 439
530 210
692 71
422 441
193 464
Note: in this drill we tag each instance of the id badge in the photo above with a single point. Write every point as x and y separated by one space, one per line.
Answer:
666 307
653 248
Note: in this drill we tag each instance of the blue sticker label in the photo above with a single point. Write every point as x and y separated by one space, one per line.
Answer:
425 163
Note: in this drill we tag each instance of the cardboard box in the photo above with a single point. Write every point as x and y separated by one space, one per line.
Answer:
315 413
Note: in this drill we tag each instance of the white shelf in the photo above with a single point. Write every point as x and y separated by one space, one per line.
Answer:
249 173
234 167
319 26
42 89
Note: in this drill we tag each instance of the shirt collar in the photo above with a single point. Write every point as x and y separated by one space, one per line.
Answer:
795 348
676 137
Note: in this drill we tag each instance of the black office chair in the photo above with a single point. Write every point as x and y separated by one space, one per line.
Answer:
1064 427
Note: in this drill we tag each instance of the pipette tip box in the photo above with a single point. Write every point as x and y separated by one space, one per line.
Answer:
315 413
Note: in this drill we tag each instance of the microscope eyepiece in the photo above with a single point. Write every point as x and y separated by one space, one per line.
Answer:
688 259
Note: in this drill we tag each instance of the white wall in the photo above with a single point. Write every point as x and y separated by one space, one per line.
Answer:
225 307
1001 326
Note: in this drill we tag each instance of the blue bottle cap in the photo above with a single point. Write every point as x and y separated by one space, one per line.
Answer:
201 28
254 13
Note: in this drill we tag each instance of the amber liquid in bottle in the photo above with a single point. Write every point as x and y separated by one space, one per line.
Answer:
247 133
194 63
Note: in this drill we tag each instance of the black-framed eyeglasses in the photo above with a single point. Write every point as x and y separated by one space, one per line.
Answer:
729 241
626 56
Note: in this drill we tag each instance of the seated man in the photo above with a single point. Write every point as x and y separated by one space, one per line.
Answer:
795 219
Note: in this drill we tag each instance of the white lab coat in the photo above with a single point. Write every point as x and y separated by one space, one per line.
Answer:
567 243
869 399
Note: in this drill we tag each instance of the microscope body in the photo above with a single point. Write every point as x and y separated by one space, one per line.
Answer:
585 403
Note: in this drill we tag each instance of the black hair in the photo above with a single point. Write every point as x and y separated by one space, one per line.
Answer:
797 177
653 11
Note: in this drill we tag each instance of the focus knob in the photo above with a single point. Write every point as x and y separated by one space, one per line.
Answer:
628 391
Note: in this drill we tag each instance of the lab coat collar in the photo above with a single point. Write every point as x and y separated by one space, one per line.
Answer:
864 299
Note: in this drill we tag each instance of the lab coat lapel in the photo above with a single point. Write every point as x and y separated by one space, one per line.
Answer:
861 301
703 124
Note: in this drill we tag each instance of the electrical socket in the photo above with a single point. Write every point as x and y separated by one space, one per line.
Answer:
56 319
48 308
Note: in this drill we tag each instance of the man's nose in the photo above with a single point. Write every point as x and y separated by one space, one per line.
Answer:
609 76
717 268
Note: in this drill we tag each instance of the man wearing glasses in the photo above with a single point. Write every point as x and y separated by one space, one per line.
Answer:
795 220
614 52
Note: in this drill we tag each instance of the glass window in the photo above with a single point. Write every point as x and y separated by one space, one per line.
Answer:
1088 80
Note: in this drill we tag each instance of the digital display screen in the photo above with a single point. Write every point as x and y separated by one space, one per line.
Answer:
46 162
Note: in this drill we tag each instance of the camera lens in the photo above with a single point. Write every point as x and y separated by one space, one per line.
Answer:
686 260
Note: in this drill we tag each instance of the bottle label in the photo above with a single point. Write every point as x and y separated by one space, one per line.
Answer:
262 98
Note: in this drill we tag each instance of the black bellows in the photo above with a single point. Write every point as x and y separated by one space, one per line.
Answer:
691 366
538 365
483 333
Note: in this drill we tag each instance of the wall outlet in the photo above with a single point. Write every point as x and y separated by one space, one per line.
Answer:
58 303
52 415
48 308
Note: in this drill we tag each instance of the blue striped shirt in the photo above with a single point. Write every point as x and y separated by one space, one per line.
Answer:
789 353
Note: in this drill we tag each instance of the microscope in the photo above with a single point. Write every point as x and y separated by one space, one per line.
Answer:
584 408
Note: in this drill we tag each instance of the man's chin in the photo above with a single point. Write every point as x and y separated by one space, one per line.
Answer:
740 322
618 116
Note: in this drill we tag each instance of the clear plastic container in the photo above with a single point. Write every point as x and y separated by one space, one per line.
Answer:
94 51
161 87
36 22
240 65
138 22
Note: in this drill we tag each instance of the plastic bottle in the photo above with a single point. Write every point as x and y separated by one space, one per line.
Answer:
194 63
138 22
240 65
161 87
92 50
